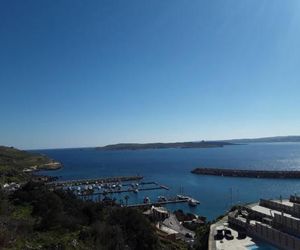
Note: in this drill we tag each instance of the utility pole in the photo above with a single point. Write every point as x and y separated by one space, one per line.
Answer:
231 197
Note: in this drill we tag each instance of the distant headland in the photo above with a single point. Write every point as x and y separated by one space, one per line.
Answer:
198 144
139 146
18 165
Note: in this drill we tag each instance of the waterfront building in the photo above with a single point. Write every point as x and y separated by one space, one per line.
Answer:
274 221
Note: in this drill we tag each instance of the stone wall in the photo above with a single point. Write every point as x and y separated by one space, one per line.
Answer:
292 210
266 233
287 224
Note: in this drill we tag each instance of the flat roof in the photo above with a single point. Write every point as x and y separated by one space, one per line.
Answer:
284 202
270 212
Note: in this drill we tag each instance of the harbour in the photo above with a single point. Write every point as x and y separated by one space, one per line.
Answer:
172 168
101 189
77 182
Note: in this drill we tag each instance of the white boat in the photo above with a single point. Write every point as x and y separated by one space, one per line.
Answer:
161 198
193 203
182 197
136 190
146 200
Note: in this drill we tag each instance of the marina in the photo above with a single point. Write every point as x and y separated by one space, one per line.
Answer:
177 199
172 168
78 182
102 189
111 191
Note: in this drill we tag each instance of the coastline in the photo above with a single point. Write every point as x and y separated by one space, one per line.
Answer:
53 165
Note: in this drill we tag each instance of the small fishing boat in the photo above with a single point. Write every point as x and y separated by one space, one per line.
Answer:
146 200
193 203
182 197
161 198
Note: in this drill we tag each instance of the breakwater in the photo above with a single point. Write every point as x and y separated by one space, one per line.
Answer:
276 174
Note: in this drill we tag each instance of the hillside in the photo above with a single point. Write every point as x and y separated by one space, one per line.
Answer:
15 164
140 146
34 217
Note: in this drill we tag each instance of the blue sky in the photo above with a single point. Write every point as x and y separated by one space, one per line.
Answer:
86 73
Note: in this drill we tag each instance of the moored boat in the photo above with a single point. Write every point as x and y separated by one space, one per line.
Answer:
182 197
161 198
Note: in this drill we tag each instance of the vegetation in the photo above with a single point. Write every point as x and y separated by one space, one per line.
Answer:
137 146
13 162
33 217
202 235
36 218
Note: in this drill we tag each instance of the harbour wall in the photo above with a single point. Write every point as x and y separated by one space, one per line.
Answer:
248 173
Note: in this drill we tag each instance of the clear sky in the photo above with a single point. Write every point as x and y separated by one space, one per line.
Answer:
86 73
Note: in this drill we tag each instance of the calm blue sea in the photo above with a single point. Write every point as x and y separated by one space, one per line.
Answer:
172 167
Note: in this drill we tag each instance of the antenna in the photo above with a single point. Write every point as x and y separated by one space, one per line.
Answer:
231 197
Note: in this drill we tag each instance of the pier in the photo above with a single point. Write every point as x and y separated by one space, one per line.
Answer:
106 192
160 203
100 189
78 182
106 186
276 174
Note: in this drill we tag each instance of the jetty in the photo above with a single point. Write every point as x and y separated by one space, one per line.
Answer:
78 182
160 203
276 174
112 191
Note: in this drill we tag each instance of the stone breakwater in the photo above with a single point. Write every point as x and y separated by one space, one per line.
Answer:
248 173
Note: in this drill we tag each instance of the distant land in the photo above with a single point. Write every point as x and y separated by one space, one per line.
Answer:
290 138
139 146
198 144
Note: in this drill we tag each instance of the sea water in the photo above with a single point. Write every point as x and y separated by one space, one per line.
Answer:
171 167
